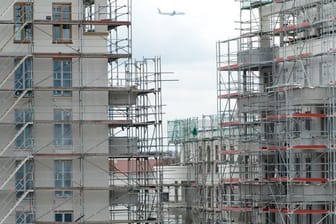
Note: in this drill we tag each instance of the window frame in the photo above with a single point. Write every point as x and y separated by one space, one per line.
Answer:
23 75
63 178
24 217
24 178
62 119
165 196
63 216
26 34
60 77
89 15
63 23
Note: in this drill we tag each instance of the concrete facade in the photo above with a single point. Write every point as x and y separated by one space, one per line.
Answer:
69 113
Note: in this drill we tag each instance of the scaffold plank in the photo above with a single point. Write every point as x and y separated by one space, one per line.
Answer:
309 146
230 123
295 211
229 95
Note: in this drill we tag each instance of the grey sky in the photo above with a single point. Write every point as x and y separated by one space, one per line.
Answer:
187 46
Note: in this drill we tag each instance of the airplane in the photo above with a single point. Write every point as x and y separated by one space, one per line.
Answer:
173 13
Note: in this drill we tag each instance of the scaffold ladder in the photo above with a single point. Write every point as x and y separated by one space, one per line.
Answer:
15 33
14 104
23 196
13 71
8 7
14 138
16 169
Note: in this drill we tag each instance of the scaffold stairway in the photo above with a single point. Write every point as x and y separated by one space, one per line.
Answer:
14 172
14 104
14 138
23 196
13 71
15 33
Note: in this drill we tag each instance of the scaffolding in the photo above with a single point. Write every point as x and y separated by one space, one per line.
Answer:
137 142
275 86
81 121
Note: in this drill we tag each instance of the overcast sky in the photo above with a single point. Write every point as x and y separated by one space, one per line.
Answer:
187 47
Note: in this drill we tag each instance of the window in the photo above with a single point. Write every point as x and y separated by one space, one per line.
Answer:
297 166
62 127
268 80
165 196
23 217
89 16
63 178
23 75
62 76
325 72
209 198
176 191
309 215
216 152
62 31
209 159
223 156
232 157
23 178
308 122
63 216
23 14
25 139
306 74
308 168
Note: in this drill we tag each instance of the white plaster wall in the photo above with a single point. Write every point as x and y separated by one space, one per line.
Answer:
94 72
96 172
175 173
96 205
96 139
7 167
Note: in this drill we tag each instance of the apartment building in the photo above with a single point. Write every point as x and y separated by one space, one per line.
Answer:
81 133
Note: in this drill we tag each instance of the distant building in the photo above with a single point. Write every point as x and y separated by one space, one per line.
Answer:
192 184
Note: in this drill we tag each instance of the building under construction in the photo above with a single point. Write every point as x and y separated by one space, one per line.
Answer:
81 121
276 102
270 155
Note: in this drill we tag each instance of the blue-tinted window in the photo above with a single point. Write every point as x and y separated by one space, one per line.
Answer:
62 13
23 75
63 216
23 14
24 217
63 177
68 217
59 217
63 127
62 69
23 178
